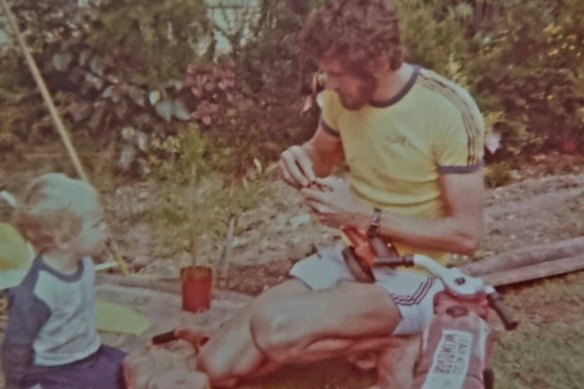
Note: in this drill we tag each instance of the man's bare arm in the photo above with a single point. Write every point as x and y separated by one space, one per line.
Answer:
460 231
300 165
325 151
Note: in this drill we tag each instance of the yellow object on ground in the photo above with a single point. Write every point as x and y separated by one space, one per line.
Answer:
116 318
15 252
16 256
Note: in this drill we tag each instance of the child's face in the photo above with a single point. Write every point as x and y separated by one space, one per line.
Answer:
93 233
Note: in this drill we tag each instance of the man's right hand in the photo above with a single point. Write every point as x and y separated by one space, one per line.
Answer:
296 167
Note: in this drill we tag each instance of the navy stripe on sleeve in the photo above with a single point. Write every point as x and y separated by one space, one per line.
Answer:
328 129
460 169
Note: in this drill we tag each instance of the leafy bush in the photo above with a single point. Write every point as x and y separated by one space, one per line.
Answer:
215 91
256 126
19 103
272 57
189 156
100 82
522 60
157 39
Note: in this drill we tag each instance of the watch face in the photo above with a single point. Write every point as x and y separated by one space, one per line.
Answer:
374 225
376 216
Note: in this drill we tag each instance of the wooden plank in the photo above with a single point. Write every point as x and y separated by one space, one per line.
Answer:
525 257
146 281
534 272
155 283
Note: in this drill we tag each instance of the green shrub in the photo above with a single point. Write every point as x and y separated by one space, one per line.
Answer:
101 83
158 39
21 107
522 61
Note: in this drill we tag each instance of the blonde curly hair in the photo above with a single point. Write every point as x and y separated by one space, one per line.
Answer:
53 210
355 31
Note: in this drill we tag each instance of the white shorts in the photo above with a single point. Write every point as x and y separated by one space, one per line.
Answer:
413 293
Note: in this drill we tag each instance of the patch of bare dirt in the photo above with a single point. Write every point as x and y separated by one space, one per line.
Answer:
269 239
535 211
531 212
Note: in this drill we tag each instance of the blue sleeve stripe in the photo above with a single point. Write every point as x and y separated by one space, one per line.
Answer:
460 169
328 129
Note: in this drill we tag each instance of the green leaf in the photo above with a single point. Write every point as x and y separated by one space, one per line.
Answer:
97 66
154 97
98 115
80 111
258 166
112 92
141 141
165 109
94 81
128 133
463 11
61 61
121 109
127 157
137 95
84 57
177 85
180 111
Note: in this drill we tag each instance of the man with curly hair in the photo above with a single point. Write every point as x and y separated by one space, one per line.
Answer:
413 142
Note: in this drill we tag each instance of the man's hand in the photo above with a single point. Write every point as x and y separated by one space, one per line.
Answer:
296 167
335 205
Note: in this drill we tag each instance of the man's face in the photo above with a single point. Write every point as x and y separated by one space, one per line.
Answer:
354 90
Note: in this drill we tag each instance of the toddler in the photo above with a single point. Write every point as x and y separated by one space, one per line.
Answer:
51 339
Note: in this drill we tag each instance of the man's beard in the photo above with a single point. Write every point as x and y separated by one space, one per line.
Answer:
364 95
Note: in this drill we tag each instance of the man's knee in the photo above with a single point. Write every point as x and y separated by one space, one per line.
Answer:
276 330
218 368
213 365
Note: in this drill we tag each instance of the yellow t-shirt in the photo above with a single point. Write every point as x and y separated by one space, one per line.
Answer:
397 150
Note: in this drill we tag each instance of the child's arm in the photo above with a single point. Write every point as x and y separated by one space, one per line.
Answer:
27 315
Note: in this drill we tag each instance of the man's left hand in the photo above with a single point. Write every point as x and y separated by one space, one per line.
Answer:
335 205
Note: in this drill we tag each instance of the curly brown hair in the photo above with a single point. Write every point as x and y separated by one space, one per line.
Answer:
356 31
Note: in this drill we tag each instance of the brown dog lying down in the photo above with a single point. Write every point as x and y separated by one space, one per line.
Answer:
173 365
169 366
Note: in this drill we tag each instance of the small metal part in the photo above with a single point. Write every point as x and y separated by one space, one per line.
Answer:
457 311
460 281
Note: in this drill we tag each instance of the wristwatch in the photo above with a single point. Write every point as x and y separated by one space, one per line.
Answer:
374 225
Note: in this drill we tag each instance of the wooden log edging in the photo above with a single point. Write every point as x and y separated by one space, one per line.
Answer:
156 283
541 270
526 257
152 282
503 277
